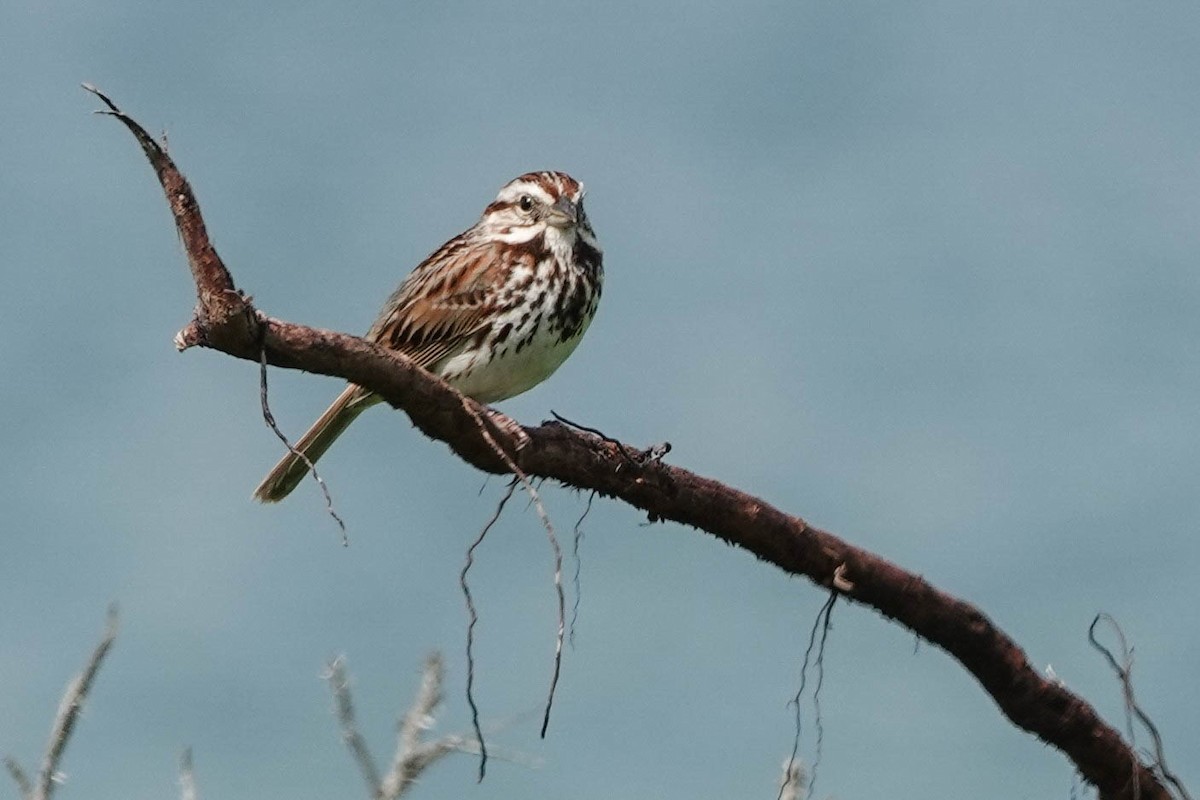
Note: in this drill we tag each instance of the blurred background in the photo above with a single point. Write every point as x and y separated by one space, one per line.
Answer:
923 273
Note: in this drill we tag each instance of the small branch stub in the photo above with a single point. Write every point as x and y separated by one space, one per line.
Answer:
840 581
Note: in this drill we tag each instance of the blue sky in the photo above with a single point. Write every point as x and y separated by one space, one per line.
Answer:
924 274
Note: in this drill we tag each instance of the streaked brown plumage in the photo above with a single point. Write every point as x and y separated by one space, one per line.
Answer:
494 311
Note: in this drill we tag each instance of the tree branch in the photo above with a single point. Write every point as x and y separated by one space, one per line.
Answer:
225 320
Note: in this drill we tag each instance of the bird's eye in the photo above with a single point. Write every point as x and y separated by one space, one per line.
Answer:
526 203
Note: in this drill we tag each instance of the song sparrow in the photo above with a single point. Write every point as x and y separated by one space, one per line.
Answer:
494 311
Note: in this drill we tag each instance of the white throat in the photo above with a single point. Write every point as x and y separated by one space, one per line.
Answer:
561 241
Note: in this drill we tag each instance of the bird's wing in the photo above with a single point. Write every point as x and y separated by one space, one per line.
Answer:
446 299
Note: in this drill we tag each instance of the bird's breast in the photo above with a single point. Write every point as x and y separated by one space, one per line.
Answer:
525 342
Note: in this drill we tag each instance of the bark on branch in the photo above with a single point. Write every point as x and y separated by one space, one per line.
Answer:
226 320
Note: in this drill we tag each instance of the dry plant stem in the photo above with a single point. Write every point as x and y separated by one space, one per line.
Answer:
429 697
792 785
68 712
19 777
343 703
406 763
187 777
412 756
225 321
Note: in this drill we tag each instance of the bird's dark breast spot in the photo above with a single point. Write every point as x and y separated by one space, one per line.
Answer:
571 309
589 259
480 338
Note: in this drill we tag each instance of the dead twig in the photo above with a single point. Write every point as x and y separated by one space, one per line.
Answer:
818 719
821 624
1124 671
618 446
575 542
473 617
555 548
269 418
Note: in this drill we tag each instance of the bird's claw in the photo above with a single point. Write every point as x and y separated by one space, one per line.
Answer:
510 427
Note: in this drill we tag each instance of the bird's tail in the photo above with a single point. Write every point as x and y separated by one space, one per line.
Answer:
291 469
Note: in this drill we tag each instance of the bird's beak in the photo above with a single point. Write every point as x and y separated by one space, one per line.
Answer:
563 214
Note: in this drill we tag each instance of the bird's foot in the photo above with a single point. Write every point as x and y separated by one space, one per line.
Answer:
510 427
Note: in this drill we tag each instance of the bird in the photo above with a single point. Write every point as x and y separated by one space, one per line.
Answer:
494 311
